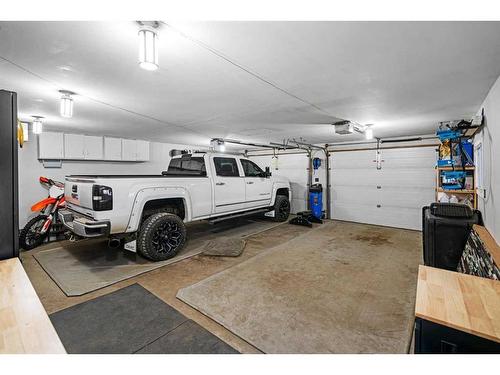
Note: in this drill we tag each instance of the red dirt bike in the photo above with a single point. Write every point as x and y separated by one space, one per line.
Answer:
41 226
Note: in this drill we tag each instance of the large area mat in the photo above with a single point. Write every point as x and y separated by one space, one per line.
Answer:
132 320
82 267
339 288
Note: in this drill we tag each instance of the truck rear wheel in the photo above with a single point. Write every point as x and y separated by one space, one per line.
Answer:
161 236
281 208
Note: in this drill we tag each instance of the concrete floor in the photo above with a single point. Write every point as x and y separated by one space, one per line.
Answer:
166 281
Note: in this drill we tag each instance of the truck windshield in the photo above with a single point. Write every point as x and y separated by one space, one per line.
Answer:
192 167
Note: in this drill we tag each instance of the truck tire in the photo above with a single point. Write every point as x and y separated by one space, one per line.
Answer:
161 236
281 208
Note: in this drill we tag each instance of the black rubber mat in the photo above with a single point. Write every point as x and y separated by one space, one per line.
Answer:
188 338
132 320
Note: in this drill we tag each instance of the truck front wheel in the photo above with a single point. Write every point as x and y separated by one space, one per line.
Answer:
281 208
161 236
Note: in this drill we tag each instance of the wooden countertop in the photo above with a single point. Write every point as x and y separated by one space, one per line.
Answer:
24 325
464 302
489 242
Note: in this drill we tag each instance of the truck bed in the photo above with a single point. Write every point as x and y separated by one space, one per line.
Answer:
95 176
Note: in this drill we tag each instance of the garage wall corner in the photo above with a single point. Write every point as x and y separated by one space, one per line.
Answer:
490 138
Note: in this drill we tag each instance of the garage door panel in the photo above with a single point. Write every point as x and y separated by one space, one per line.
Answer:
401 217
350 177
393 195
383 177
353 194
415 158
399 197
405 177
356 212
294 168
351 160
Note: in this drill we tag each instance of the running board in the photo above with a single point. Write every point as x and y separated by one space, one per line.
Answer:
233 216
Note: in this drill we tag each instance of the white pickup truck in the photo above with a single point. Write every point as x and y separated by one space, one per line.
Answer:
148 212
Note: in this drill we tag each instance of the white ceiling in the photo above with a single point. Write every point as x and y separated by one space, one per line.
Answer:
259 81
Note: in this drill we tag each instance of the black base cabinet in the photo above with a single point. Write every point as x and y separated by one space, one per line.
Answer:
431 338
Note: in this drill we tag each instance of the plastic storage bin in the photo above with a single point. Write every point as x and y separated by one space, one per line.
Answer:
445 229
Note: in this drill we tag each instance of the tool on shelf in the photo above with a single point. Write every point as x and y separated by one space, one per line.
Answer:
455 170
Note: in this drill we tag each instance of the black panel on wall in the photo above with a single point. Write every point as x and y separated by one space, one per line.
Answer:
8 175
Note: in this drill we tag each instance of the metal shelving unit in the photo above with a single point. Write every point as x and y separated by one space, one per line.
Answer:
459 192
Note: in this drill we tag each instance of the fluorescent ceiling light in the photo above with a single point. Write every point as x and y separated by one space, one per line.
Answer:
369 133
218 144
66 108
37 125
148 48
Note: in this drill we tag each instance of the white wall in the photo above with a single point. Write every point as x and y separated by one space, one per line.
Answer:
490 206
30 168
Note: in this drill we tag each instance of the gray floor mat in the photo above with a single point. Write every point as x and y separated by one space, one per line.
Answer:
85 266
128 321
224 247
338 288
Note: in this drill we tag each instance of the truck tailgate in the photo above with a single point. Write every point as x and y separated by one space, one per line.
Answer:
79 192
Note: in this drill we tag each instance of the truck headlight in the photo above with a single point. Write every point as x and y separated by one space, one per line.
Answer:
102 198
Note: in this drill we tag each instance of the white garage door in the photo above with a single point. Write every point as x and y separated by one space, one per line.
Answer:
393 195
294 167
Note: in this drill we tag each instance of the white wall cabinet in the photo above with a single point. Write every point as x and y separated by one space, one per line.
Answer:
135 150
112 148
129 149
60 146
74 146
93 147
50 145
83 147
142 150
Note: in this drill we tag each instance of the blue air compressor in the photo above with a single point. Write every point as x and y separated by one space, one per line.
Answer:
316 200
316 193
315 212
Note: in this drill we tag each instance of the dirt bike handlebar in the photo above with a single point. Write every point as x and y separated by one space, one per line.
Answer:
50 182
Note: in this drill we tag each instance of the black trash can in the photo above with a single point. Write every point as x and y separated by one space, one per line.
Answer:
445 229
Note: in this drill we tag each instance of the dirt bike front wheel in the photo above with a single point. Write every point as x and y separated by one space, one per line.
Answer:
30 236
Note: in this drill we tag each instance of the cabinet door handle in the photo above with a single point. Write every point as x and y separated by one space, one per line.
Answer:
220 183
249 182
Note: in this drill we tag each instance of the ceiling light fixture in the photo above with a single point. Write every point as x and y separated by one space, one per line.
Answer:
369 133
37 124
218 144
66 108
148 45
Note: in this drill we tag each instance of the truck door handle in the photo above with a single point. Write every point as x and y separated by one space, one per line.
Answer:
220 183
249 182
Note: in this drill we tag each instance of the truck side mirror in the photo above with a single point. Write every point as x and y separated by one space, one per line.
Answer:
268 172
